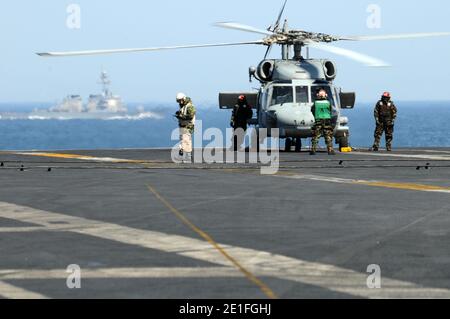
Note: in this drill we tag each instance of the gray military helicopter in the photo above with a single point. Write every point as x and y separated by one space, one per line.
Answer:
288 85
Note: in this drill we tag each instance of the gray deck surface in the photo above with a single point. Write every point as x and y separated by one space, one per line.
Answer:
310 231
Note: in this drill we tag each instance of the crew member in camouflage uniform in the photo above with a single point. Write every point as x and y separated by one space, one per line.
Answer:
323 114
385 116
242 113
186 123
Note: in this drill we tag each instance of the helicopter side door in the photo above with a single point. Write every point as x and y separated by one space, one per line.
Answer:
263 105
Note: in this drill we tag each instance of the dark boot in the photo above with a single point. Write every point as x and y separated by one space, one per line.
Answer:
313 149
374 148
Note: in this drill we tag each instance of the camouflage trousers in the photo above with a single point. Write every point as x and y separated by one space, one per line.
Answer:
388 129
323 128
186 140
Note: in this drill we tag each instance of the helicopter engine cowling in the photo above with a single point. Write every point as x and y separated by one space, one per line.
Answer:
330 70
265 70
288 70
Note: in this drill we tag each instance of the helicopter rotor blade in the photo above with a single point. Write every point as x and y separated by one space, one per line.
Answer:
356 56
395 36
114 51
277 23
242 27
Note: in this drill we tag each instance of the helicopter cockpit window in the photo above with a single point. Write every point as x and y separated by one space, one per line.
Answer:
301 93
282 95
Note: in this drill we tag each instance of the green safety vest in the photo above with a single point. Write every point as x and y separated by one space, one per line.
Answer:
323 110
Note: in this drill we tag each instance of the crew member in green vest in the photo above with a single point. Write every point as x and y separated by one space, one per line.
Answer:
323 114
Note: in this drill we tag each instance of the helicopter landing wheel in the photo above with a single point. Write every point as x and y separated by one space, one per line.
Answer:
298 145
343 142
288 145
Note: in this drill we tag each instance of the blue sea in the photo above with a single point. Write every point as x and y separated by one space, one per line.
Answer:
420 124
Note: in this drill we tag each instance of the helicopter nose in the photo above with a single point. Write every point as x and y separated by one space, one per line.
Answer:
294 116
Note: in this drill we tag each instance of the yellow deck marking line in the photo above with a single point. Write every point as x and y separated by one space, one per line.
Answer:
374 183
410 156
265 289
394 185
407 186
84 157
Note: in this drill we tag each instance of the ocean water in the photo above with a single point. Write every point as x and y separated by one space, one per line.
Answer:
420 124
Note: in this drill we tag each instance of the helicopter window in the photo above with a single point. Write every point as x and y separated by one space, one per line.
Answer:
282 95
301 93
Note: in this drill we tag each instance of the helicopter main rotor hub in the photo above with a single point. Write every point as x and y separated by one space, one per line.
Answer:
298 37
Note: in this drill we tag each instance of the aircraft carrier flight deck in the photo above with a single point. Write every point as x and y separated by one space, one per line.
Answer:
139 226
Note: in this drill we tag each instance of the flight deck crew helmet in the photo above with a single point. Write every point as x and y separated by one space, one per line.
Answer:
181 97
386 95
322 94
242 100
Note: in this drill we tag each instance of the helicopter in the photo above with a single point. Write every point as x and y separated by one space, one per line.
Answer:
288 86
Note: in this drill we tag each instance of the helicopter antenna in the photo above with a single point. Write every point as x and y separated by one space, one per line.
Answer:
285 47
280 15
275 28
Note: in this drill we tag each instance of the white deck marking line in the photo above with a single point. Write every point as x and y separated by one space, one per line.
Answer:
20 229
124 273
374 183
261 263
12 292
412 156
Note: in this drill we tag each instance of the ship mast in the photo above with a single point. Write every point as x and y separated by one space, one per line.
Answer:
105 82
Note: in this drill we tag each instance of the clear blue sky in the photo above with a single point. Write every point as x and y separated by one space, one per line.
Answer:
420 67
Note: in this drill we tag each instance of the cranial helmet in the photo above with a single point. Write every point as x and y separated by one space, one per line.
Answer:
322 94
181 97
387 95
